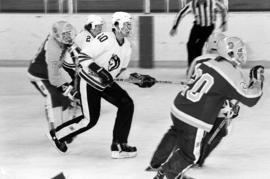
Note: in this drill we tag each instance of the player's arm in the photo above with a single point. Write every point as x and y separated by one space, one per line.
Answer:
142 80
248 95
179 16
89 68
221 7
56 74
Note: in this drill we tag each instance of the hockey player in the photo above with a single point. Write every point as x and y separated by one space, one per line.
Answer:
228 111
93 27
104 59
161 154
46 73
196 107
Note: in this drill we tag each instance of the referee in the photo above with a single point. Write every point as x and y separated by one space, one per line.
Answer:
205 12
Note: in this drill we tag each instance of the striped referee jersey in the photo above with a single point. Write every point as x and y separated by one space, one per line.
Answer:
204 11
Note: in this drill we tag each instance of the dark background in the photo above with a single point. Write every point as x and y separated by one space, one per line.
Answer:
86 6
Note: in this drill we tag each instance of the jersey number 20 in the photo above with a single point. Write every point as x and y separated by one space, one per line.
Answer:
201 86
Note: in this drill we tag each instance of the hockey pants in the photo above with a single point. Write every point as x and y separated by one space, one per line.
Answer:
91 104
187 151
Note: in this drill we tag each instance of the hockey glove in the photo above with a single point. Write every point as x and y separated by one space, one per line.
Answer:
256 76
229 110
143 81
105 76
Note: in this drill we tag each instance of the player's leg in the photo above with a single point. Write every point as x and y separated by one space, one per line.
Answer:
90 103
191 44
125 109
80 124
164 149
38 84
189 140
208 146
204 34
53 103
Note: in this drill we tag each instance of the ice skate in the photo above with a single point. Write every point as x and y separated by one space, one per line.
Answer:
160 175
151 168
60 146
122 150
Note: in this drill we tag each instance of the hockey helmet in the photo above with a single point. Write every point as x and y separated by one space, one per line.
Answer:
94 24
123 20
63 32
233 49
213 40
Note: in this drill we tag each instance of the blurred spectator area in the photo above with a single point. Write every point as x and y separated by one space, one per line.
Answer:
86 6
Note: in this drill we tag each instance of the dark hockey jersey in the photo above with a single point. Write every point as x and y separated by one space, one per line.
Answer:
212 82
48 62
38 65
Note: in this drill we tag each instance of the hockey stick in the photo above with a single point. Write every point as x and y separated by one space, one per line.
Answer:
157 81
220 126
207 143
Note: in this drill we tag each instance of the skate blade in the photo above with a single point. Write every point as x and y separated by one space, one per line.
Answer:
122 155
151 169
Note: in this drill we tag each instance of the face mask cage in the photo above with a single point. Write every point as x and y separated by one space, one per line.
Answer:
67 37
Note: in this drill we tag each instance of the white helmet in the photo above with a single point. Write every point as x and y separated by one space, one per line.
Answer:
233 49
63 32
121 18
94 20
213 40
94 24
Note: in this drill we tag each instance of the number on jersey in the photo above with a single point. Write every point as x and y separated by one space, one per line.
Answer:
102 37
88 38
201 85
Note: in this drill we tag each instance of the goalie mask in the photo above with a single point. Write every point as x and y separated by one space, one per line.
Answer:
63 32
94 24
233 49
213 40
121 22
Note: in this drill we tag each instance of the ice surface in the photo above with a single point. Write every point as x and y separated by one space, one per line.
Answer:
25 152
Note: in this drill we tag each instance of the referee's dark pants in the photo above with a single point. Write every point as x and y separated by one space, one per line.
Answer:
91 104
198 36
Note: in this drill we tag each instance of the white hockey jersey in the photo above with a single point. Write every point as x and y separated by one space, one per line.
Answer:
81 40
106 52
